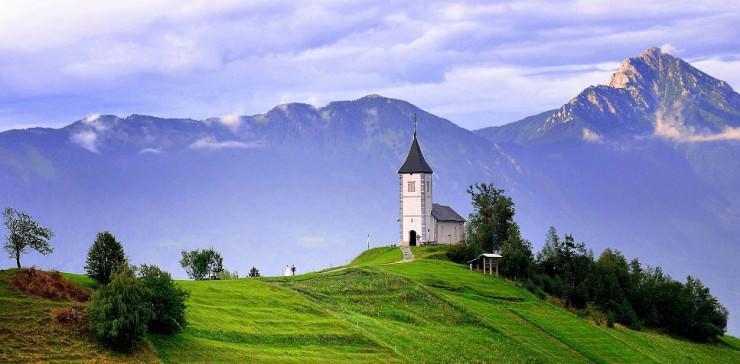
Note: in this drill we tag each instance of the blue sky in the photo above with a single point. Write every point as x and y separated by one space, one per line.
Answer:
477 64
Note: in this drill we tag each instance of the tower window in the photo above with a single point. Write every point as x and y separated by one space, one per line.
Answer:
412 186
429 189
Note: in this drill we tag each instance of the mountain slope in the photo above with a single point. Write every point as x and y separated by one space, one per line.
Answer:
648 164
296 184
426 310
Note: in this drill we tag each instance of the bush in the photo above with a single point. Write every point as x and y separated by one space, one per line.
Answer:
118 312
51 286
165 299
462 253
74 316
104 257
610 319
227 274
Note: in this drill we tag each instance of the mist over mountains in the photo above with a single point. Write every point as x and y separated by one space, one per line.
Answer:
647 164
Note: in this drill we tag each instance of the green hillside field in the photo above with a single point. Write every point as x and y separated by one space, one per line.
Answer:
372 310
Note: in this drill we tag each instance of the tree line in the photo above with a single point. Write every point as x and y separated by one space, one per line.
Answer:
629 293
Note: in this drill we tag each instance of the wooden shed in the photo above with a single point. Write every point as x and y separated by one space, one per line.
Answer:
486 263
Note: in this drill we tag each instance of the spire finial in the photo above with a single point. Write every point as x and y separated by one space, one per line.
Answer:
414 125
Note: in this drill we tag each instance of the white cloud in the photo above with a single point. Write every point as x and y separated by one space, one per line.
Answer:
667 126
86 139
231 121
150 151
210 143
91 118
201 59
591 136
670 49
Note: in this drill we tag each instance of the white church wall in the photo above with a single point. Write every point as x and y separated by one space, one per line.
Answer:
414 213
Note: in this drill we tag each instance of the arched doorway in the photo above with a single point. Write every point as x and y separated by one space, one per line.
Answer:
412 238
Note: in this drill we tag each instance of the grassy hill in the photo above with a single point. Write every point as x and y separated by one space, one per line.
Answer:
373 310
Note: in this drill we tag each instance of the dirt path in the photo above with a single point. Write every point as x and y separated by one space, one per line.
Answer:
408 256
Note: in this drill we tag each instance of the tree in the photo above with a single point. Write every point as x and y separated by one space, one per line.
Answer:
517 260
118 312
547 258
708 318
254 272
104 257
164 298
492 217
24 233
227 274
202 264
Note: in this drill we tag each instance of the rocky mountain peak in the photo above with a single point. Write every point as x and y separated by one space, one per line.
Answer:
639 71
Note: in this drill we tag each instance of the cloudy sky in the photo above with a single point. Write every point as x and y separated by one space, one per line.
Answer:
477 64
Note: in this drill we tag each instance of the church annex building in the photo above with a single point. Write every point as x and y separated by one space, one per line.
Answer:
422 221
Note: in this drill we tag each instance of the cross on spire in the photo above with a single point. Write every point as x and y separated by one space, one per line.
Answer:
414 125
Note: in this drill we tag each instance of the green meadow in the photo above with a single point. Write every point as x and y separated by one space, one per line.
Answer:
372 310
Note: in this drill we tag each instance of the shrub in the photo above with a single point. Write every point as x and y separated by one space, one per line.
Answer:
165 299
610 319
227 274
47 285
118 312
73 316
104 257
462 253
254 272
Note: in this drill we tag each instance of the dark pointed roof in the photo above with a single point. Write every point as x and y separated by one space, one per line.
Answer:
415 162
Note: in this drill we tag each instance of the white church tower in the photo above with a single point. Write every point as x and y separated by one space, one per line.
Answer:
415 184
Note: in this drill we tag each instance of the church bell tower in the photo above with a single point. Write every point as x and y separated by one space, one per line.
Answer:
415 187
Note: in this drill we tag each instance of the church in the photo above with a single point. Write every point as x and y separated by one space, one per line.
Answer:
423 221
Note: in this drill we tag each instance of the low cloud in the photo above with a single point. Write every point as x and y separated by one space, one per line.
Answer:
591 136
670 49
91 118
667 126
210 143
86 139
150 151
231 121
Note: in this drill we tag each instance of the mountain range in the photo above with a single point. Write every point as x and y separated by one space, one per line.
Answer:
647 164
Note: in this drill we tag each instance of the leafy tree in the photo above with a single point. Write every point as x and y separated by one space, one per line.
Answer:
202 264
118 312
611 279
708 316
516 255
254 272
104 257
164 298
492 217
24 233
548 258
